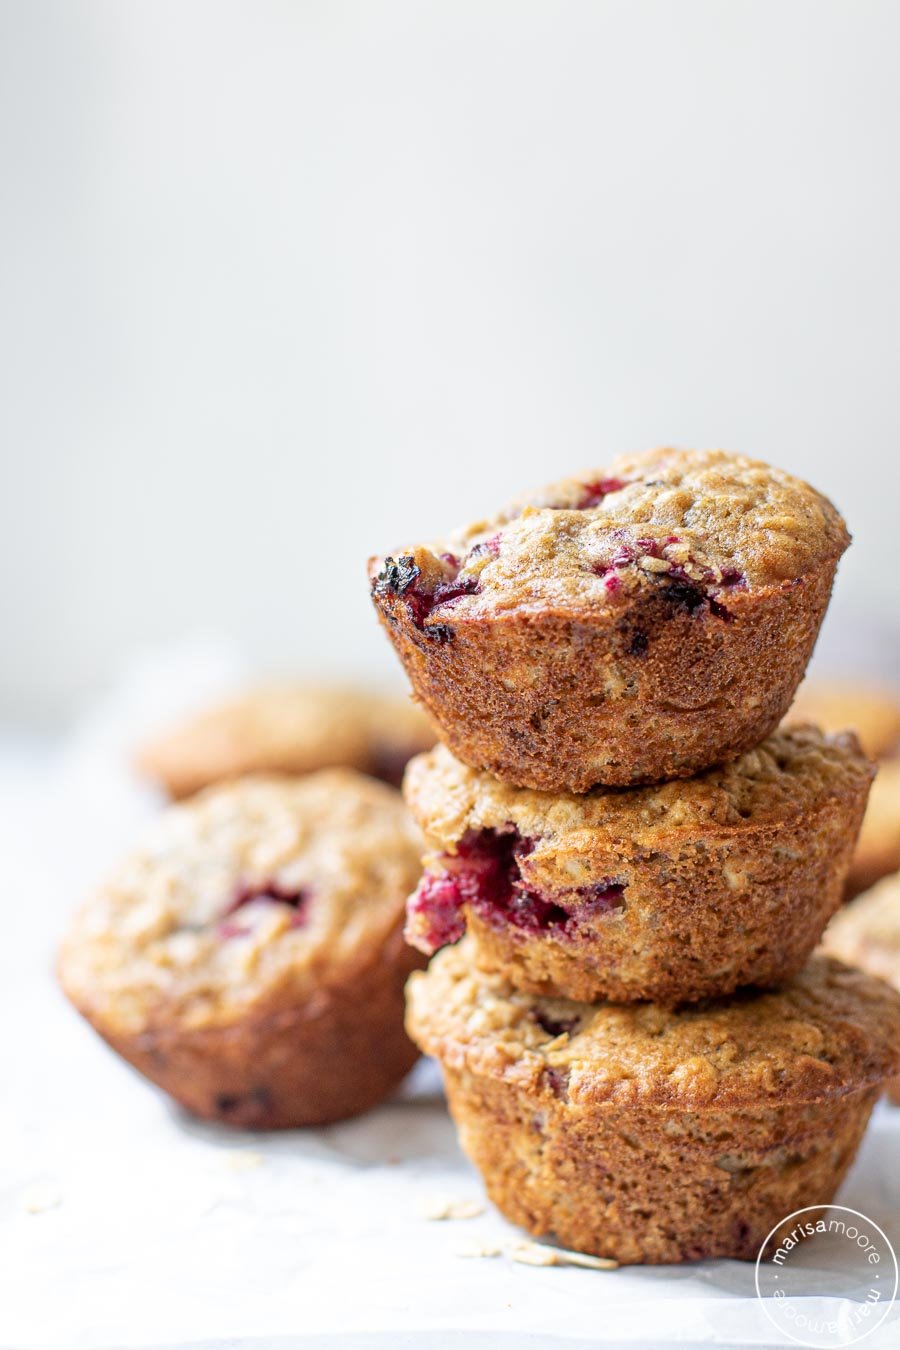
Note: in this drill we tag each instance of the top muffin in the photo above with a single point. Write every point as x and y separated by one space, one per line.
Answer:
637 623
710 519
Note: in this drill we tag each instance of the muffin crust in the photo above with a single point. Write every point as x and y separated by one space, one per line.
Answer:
636 624
678 892
651 1135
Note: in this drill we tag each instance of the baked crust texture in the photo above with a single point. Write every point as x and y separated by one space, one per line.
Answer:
676 892
650 1135
633 625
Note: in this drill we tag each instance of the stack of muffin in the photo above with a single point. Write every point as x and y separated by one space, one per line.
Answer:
629 865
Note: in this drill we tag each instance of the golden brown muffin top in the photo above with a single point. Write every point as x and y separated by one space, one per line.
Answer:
247 891
706 519
829 1031
872 711
866 933
790 773
285 728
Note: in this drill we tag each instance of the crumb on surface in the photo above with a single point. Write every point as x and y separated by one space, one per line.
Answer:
40 1197
443 1207
537 1254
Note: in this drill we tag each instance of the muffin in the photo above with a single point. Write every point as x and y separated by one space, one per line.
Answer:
872 711
634 625
878 851
677 892
648 1135
867 934
249 957
288 728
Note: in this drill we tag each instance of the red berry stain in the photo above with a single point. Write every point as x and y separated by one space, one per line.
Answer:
555 1026
485 875
272 891
596 491
677 587
402 577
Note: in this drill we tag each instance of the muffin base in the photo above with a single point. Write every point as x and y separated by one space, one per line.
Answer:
336 1055
650 1185
647 692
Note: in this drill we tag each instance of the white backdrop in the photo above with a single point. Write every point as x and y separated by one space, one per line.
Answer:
284 284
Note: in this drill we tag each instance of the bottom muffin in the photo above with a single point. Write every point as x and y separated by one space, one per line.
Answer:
248 957
651 1135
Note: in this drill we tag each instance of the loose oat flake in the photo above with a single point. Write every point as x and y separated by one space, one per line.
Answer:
453 1209
536 1254
242 1160
39 1198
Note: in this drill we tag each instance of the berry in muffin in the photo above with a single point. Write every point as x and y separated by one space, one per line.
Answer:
866 934
644 1134
289 728
635 625
676 892
249 957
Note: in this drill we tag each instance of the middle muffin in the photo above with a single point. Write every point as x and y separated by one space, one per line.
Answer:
674 893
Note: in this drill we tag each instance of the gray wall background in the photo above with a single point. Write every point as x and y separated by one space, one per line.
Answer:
284 284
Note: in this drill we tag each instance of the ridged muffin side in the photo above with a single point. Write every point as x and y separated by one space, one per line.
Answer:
678 892
634 625
650 1135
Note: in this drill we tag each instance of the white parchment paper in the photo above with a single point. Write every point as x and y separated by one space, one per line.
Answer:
124 1223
